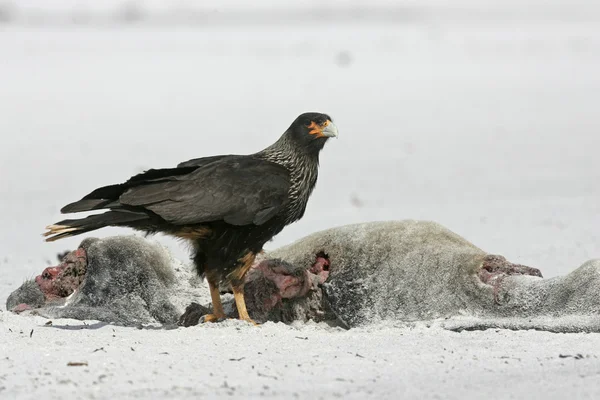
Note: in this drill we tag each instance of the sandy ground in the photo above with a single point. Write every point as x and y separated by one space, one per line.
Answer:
278 361
305 360
486 122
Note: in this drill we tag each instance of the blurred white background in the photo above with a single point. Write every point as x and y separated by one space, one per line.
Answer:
481 115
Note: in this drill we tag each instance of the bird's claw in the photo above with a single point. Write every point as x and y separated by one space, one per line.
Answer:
217 318
250 320
212 318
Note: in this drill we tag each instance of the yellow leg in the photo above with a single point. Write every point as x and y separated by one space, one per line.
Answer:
218 312
238 295
237 284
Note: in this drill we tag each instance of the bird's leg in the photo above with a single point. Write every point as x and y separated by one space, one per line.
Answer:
218 313
237 284
238 295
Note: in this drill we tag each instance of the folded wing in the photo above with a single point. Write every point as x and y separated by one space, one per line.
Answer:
238 190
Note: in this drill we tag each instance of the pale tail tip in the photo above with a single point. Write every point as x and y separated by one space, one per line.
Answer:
57 230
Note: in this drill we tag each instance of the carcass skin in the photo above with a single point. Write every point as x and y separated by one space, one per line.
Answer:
355 275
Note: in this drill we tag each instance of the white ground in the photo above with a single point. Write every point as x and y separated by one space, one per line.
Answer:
278 361
483 119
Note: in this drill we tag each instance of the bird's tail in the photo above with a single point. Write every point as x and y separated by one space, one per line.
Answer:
73 227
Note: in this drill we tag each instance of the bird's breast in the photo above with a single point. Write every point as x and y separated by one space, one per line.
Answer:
303 182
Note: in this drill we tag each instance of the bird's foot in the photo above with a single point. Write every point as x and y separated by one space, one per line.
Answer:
250 320
192 315
217 318
213 318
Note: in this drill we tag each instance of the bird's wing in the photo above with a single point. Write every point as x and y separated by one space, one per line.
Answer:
238 190
200 162
106 196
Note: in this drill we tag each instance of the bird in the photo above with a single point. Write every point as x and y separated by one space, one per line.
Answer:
226 206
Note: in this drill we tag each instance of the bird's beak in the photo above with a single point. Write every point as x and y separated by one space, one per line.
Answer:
330 130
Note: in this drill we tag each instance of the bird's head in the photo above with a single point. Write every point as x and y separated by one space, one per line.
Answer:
311 130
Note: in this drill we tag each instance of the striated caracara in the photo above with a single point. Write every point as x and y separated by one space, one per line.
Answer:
227 206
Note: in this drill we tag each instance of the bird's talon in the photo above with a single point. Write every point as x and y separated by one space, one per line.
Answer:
213 318
250 320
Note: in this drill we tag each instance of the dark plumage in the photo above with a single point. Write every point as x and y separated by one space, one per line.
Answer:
228 206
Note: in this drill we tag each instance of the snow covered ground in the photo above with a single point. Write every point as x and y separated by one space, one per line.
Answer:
484 119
